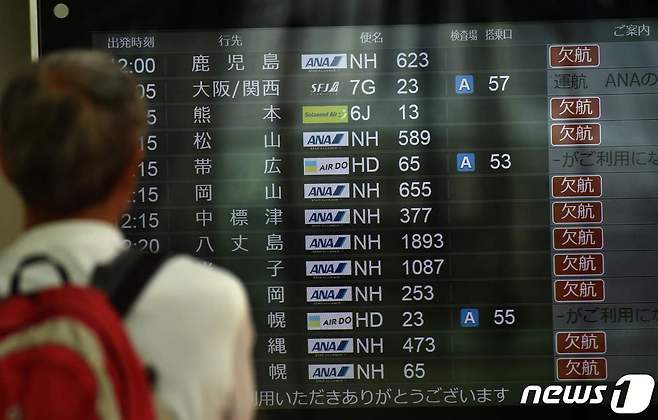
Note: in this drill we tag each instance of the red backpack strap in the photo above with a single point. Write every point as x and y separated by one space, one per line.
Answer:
54 369
124 278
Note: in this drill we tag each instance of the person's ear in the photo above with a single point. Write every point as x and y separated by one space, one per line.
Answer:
138 157
132 170
3 163
3 170
128 181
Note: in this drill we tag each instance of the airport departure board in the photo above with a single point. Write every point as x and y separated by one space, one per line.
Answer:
423 215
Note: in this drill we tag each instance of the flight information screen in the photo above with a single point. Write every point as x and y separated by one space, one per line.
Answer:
423 215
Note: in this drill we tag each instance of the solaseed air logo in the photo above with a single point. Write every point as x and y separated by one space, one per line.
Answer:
328 268
327 216
329 321
327 166
330 345
324 61
327 191
323 139
325 114
322 294
331 371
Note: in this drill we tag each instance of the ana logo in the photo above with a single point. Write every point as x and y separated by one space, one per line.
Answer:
329 321
329 294
330 345
328 268
325 88
327 242
327 217
630 395
324 61
327 166
330 371
327 191
326 139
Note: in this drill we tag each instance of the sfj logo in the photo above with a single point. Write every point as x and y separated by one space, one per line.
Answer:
325 88
630 395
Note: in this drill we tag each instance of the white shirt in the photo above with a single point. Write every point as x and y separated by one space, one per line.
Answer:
191 322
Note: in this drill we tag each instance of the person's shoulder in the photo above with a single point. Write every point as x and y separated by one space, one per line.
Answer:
195 270
187 282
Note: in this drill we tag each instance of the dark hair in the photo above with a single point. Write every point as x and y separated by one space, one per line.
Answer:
69 126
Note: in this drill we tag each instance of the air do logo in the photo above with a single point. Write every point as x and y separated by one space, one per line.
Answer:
329 321
630 395
327 166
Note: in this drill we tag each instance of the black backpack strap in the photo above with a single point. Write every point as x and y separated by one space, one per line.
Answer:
124 278
32 260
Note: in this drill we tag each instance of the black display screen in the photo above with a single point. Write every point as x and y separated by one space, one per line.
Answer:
424 214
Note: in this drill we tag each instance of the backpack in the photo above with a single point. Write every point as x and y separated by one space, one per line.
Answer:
64 353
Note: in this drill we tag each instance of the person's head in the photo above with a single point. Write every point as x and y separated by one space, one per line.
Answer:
69 136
